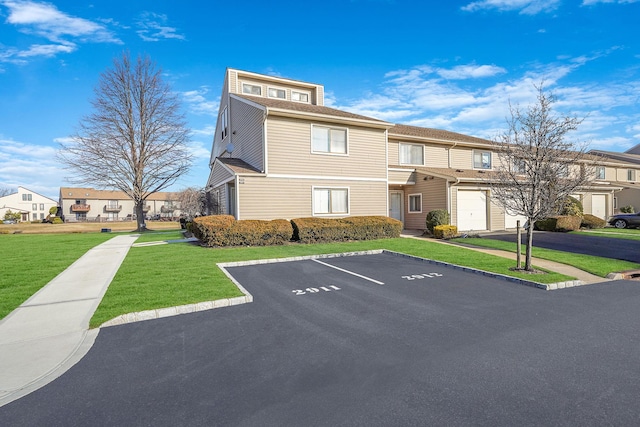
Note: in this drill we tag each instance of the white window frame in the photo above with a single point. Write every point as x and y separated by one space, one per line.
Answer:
481 153
224 123
298 93
270 88
34 206
631 175
41 206
603 170
330 189
419 195
330 128
250 86
27 197
404 144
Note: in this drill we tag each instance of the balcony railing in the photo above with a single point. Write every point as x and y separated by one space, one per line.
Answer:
112 208
167 209
80 208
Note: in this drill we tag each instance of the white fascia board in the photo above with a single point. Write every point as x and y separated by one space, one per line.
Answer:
328 118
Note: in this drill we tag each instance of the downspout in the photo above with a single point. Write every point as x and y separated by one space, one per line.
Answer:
449 185
449 156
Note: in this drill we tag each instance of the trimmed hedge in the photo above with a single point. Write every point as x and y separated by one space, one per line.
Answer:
224 230
312 230
435 218
445 231
559 223
591 221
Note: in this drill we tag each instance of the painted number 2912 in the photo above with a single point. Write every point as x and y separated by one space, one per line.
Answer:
422 276
315 290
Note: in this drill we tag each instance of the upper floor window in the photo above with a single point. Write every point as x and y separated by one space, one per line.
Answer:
277 93
563 170
600 172
112 204
41 206
482 160
251 89
519 166
329 140
224 123
299 96
330 201
411 154
34 207
26 197
631 175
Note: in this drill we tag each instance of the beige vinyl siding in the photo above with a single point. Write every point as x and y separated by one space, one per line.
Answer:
246 122
318 96
402 177
394 155
436 156
220 174
462 158
496 217
628 197
274 198
434 196
289 151
222 198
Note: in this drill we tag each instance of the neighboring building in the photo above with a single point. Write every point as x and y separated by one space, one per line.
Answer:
88 204
278 152
31 205
622 169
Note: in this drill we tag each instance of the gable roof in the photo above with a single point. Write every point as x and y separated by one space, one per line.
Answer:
278 105
93 194
625 157
237 165
437 134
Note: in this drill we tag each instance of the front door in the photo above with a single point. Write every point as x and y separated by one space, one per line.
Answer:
395 204
231 199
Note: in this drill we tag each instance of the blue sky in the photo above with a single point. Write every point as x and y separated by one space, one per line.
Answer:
451 65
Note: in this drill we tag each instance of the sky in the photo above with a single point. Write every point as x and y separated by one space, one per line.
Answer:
453 65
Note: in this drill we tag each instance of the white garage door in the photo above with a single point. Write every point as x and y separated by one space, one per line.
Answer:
599 205
510 220
472 210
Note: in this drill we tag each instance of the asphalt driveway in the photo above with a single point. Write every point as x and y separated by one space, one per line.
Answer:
372 340
597 245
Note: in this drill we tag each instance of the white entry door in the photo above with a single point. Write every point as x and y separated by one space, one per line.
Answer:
472 210
395 204
599 205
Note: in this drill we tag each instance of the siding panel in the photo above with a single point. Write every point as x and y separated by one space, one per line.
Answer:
246 122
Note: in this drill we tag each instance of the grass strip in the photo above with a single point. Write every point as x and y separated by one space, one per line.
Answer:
598 266
177 274
30 261
159 236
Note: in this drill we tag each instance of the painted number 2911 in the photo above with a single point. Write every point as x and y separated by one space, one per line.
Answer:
422 276
315 290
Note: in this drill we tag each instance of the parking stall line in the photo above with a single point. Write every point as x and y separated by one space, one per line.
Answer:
350 272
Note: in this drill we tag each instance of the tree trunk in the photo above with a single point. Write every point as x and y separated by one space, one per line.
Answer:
142 226
527 262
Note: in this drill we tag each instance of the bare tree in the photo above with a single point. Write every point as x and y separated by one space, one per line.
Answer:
192 201
538 168
135 140
5 191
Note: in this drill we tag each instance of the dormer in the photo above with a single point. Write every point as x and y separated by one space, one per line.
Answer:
252 84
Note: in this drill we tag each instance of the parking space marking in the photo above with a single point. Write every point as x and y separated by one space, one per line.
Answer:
350 272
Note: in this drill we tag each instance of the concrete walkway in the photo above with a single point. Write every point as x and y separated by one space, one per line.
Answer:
49 333
538 262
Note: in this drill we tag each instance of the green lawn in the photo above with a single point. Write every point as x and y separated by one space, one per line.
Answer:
625 233
595 265
177 274
30 261
156 236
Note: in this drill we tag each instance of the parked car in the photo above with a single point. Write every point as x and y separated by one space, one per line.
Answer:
9 221
625 220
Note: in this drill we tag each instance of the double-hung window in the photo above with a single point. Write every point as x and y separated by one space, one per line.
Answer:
482 160
330 201
328 140
411 154
415 203
277 93
631 175
600 172
224 123
299 96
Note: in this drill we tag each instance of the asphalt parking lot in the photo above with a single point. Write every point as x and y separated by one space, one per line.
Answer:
363 340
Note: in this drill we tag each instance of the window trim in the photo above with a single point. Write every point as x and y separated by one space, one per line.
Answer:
269 88
631 175
604 172
308 94
481 153
409 203
330 188
224 122
245 84
400 144
331 153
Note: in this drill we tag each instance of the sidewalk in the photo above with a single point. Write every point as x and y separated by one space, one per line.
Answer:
48 333
543 263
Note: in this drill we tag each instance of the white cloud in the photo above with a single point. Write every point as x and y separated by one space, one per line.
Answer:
153 28
46 21
462 72
197 102
591 2
526 7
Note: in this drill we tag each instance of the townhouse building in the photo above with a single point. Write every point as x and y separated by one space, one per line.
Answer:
89 204
31 205
279 152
